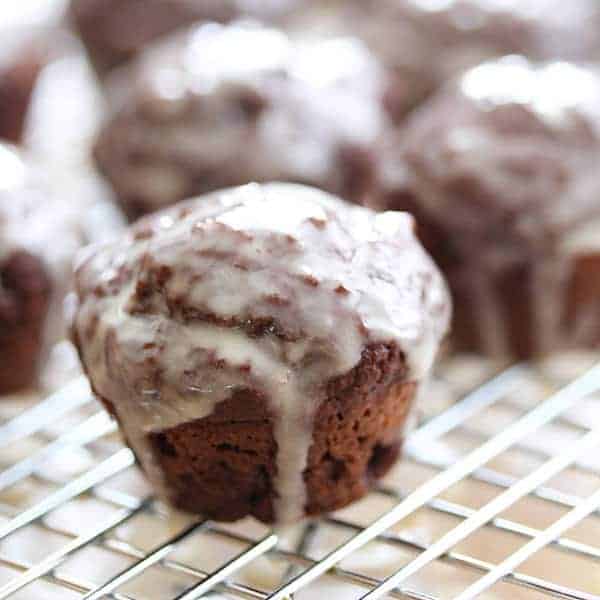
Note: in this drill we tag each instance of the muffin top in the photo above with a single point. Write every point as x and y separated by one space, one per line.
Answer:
277 288
217 106
510 148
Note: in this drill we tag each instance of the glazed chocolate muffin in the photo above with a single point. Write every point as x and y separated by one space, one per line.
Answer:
261 347
38 239
114 31
501 172
218 106
427 42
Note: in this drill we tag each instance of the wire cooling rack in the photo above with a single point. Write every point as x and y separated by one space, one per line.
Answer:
498 497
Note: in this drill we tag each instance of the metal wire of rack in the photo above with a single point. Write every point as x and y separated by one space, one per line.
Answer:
498 497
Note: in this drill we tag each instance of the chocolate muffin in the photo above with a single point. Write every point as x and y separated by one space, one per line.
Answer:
501 172
261 347
426 42
114 31
219 106
38 239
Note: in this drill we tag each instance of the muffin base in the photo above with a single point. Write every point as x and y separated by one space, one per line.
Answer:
224 466
24 301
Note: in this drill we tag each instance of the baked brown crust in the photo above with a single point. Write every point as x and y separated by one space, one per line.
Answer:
25 290
223 466
584 299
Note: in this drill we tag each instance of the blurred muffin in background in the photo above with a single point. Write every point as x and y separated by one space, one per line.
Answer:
426 42
221 105
501 172
114 31
39 236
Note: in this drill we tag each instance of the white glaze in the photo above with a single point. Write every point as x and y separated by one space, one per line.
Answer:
280 234
584 239
558 92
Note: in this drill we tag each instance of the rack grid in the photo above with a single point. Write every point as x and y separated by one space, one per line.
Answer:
498 497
